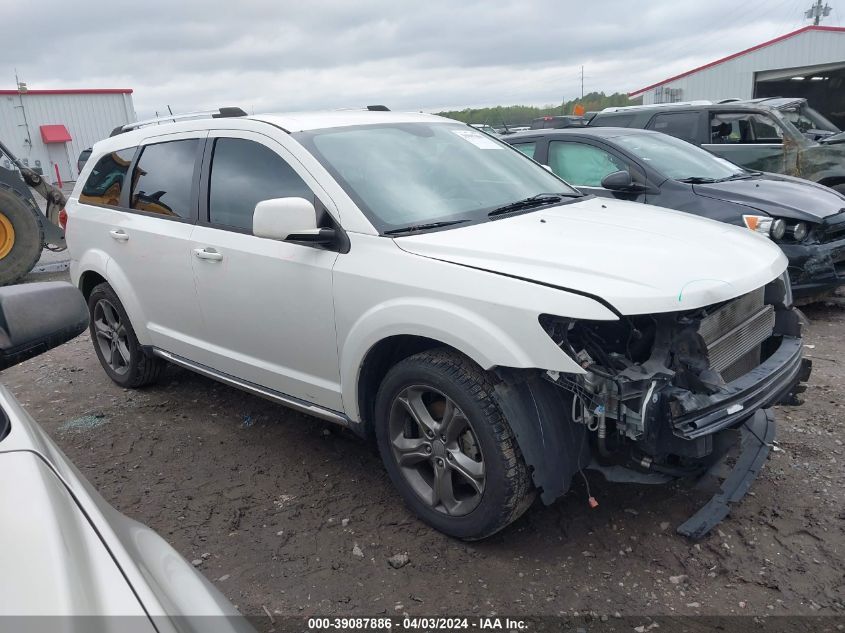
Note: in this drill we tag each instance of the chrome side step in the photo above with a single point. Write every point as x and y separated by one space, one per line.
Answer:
276 396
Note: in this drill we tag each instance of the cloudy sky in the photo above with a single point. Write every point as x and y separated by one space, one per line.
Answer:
432 55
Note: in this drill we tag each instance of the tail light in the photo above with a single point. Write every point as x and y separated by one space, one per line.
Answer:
63 219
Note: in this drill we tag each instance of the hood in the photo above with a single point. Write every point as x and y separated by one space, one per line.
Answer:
640 259
777 195
838 137
61 566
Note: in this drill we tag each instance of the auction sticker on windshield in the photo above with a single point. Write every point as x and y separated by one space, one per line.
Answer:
478 139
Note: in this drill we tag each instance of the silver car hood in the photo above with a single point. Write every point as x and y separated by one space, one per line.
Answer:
67 552
52 558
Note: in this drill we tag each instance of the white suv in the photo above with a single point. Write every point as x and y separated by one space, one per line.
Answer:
411 278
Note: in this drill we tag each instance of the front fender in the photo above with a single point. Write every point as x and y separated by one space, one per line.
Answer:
524 345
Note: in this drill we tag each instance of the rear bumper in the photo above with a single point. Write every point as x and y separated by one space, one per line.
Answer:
767 384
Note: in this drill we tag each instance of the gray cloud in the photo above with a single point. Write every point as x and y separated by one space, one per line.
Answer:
266 55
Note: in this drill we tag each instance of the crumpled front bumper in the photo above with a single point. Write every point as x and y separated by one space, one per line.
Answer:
815 268
771 382
758 435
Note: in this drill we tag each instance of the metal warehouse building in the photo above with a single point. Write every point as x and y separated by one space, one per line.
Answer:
809 62
47 129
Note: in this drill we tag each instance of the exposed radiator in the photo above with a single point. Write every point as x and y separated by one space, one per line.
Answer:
734 332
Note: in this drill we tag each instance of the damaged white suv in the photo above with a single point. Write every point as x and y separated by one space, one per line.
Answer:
414 279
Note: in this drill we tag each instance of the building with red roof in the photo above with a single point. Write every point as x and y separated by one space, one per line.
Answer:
48 129
809 62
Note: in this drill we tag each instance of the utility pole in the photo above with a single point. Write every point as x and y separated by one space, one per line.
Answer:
582 83
817 12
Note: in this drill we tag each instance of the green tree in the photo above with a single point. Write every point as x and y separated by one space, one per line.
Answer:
516 115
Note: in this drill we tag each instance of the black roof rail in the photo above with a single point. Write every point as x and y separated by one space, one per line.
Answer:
225 113
220 113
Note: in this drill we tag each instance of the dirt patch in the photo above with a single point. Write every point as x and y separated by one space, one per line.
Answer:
299 517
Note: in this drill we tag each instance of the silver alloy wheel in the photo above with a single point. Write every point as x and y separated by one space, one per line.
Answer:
111 336
436 449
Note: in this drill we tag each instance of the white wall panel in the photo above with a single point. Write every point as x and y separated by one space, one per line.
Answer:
735 77
88 117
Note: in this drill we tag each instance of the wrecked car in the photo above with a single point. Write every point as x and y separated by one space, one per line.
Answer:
809 121
756 137
805 219
417 281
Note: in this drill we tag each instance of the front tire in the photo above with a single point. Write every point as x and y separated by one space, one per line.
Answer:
115 342
447 446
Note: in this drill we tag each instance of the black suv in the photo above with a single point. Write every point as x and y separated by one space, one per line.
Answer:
758 138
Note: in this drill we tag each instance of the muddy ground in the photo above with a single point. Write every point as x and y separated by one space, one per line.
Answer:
274 504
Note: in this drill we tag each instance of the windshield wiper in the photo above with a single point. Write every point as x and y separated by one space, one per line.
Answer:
697 180
423 227
539 200
741 176
703 180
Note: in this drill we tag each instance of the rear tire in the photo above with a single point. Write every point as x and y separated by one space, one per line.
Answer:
447 445
21 235
115 342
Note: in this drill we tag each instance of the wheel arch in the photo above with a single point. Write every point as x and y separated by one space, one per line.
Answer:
89 280
96 267
379 359
393 328
832 180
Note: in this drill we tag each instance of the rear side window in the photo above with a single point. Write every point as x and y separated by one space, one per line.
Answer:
612 120
526 148
683 125
742 128
105 182
243 173
164 177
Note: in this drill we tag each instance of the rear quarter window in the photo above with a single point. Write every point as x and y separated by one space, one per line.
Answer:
105 182
612 120
682 125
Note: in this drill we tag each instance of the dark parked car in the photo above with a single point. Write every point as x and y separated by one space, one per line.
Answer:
84 155
556 122
807 220
758 137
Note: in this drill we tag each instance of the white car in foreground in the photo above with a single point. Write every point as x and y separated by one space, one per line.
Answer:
411 278
70 561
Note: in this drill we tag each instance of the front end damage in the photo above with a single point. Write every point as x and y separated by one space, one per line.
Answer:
663 394
817 264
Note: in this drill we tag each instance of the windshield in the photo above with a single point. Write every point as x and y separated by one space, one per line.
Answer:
413 174
806 118
677 159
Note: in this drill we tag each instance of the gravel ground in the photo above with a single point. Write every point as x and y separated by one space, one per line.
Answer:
291 515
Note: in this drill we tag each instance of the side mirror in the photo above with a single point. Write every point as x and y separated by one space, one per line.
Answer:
618 181
37 317
289 219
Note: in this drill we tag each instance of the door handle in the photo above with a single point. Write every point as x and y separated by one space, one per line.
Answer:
208 253
119 234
